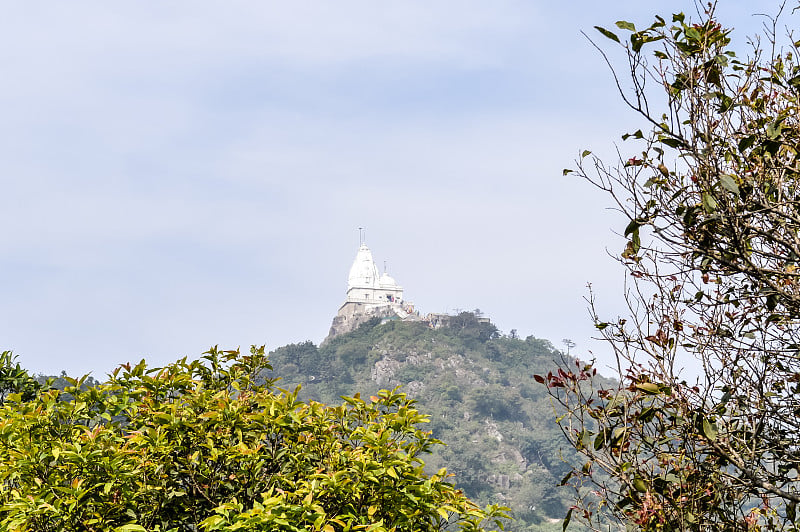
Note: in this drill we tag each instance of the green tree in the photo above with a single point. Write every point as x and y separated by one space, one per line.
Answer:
712 200
471 328
14 379
496 401
209 445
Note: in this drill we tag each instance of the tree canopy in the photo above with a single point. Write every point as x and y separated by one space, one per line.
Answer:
211 445
14 379
711 196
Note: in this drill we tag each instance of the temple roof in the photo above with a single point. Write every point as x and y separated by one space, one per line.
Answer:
364 272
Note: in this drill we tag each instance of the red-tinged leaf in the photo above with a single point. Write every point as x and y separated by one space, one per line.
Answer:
655 339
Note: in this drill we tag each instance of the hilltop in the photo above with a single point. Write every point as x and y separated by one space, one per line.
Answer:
501 442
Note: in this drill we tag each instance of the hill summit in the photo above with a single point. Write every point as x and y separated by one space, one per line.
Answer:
477 387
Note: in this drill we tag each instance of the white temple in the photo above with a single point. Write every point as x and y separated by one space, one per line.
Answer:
366 285
370 294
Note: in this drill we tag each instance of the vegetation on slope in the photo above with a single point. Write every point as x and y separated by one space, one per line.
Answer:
477 387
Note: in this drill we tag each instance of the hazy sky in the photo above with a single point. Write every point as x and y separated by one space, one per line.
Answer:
182 174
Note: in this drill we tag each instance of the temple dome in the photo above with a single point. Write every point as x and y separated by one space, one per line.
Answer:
386 281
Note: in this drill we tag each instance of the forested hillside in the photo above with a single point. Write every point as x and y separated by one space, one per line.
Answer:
477 386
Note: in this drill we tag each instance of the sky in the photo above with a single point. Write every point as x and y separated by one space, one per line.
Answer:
181 174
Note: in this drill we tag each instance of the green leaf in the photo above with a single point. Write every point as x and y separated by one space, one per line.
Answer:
585 153
647 415
774 129
746 142
633 226
709 429
648 387
566 520
625 25
636 242
669 141
729 183
772 302
566 171
130 527
607 33
600 441
709 203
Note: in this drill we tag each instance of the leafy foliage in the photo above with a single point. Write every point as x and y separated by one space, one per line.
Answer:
14 379
210 445
713 244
